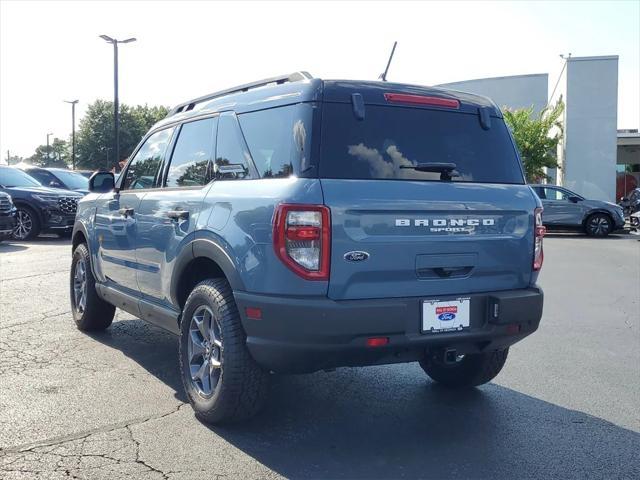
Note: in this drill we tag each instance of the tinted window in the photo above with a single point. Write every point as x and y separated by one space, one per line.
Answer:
555 194
73 180
12 177
144 169
193 154
390 139
45 178
232 156
278 139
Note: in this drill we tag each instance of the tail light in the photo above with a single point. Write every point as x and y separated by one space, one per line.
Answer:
301 238
540 230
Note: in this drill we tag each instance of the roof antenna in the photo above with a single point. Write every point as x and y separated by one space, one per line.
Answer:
383 76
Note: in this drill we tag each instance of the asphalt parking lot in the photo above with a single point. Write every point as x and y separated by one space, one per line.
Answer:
110 405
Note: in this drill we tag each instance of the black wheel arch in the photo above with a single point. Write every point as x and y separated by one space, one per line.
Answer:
201 259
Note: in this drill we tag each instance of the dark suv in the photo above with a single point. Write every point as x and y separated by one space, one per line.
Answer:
39 209
296 224
59 178
7 216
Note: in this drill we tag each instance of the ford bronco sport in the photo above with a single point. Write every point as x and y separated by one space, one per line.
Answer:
295 224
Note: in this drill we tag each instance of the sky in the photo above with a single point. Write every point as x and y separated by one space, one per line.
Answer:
51 51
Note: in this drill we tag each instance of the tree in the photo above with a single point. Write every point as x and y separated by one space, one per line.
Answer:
58 155
537 138
95 136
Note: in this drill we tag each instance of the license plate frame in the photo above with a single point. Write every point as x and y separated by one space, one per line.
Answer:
445 316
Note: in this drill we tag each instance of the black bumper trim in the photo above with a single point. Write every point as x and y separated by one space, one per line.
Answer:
305 334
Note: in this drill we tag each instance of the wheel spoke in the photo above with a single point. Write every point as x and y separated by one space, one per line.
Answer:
197 347
204 350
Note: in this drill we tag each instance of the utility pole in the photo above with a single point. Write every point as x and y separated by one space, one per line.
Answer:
116 110
73 132
8 158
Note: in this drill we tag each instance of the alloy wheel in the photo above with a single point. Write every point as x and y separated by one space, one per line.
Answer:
599 225
80 286
205 351
24 225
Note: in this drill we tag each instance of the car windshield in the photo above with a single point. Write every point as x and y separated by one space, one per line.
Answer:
12 177
72 180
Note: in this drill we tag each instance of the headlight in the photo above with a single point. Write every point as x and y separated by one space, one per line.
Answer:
46 198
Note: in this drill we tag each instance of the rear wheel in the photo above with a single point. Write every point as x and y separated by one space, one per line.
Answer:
598 225
222 381
27 224
468 371
89 311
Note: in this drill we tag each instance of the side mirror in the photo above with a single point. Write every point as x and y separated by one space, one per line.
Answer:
102 182
574 199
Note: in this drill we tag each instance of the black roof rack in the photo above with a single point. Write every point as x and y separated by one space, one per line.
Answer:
292 77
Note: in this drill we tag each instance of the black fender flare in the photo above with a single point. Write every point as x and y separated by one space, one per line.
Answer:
205 247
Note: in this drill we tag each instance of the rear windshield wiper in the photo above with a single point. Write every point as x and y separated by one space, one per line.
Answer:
447 170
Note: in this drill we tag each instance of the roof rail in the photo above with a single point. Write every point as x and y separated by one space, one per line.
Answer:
292 77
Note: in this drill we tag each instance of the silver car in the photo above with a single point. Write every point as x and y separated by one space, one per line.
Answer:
566 210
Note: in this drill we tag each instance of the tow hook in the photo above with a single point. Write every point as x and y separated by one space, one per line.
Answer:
450 356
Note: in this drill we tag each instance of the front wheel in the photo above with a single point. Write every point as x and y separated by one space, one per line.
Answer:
468 371
89 311
222 381
27 224
598 225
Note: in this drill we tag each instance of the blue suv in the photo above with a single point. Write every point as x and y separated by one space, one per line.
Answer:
297 224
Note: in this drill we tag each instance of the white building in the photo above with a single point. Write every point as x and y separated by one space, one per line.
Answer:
589 87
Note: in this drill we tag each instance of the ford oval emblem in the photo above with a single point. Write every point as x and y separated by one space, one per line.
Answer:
446 317
356 256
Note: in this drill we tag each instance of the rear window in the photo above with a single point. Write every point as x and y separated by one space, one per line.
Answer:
390 139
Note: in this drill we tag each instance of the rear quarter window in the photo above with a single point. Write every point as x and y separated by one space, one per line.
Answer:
390 139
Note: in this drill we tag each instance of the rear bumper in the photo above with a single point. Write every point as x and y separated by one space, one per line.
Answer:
305 334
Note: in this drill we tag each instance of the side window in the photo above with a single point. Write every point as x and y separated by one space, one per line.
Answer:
191 162
278 139
144 169
232 156
554 194
44 177
540 192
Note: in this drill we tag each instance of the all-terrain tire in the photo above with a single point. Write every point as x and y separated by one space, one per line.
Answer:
470 371
93 313
242 385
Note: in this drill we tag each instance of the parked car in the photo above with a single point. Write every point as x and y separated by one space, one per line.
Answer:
634 221
566 210
7 216
39 208
85 173
631 203
296 224
59 178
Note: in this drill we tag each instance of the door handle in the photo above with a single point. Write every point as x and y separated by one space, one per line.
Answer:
126 212
178 214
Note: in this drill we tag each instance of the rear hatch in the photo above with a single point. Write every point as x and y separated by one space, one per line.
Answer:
460 223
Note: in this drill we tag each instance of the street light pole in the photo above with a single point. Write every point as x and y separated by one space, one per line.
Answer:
116 109
73 132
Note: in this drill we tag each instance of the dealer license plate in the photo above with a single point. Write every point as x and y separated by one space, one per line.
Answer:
445 315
